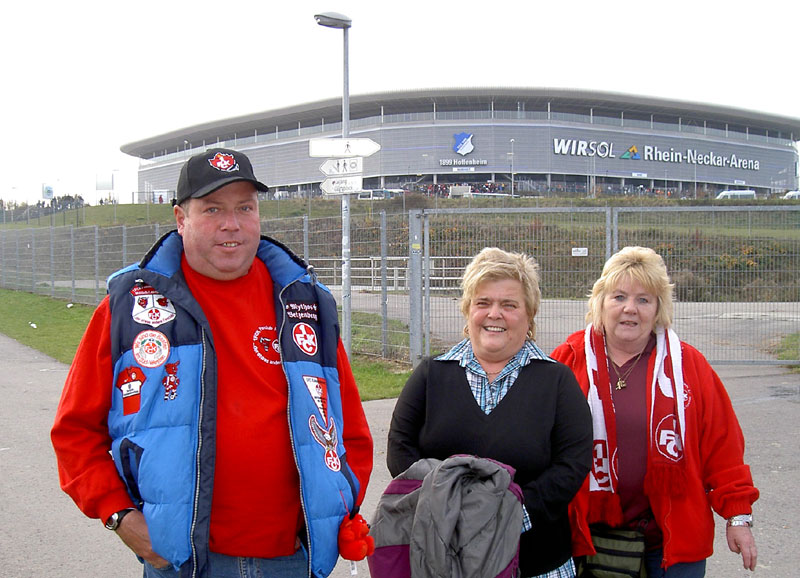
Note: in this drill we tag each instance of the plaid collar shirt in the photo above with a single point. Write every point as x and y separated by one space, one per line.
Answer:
489 394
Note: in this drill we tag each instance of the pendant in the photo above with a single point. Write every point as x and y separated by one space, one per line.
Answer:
621 384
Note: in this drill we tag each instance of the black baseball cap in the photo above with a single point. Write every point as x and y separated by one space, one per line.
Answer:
206 172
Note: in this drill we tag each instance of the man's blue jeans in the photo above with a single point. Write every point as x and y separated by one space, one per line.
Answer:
221 566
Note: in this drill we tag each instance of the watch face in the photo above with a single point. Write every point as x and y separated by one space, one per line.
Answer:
113 521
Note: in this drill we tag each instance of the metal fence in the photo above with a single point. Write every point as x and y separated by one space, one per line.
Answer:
736 269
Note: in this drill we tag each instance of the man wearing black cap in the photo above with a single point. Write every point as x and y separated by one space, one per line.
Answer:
210 416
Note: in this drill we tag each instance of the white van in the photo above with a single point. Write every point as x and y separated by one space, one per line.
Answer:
739 195
375 194
792 196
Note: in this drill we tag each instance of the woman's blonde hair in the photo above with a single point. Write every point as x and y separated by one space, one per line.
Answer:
640 264
493 264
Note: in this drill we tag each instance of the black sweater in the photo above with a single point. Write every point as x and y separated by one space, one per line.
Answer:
542 428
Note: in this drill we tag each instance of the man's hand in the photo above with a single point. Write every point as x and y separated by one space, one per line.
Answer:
133 532
741 541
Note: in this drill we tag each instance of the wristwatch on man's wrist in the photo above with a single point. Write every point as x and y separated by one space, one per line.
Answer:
114 519
741 520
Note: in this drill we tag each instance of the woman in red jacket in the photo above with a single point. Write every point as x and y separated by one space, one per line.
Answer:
667 445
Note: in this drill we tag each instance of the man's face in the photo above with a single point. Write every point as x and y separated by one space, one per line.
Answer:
221 231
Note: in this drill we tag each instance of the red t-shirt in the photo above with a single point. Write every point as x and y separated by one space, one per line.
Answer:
255 509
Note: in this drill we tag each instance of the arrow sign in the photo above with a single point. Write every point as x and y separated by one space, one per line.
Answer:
342 185
342 147
336 167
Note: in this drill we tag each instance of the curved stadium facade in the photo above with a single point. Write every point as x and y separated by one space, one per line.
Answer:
550 140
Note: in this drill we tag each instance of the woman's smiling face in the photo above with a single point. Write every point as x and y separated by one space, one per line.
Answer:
629 315
498 320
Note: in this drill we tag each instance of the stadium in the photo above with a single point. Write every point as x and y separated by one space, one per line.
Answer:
502 141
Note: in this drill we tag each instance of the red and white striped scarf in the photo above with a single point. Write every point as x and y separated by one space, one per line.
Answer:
666 425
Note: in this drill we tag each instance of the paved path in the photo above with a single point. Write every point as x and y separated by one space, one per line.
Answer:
42 533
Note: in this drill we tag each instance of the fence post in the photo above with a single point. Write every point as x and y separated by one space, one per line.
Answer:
124 246
16 264
72 258
384 292
96 264
33 258
612 231
52 263
3 261
427 277
415 286
305 238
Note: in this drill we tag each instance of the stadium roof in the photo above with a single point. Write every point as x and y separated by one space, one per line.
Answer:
463 99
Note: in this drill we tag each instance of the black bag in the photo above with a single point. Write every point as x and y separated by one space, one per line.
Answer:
620 554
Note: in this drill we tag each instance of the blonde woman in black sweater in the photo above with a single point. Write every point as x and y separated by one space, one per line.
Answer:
497 395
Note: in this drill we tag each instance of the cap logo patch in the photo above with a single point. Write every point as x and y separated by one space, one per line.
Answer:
151 348
224 162
305 338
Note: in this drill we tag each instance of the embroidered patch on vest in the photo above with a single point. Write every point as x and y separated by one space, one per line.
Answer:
151 348
171 381
327 439
129 382
302 311
318 388
150 307
305 338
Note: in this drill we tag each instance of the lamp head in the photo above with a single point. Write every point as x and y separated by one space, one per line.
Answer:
333 20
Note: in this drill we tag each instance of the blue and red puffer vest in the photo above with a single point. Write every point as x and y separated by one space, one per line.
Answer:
163 434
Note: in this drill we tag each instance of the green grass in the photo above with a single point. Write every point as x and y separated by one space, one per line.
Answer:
59 329
788 348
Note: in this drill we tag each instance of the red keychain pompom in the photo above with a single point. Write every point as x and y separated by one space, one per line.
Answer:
355 543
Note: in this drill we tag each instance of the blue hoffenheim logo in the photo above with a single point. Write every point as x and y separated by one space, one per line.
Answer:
463 144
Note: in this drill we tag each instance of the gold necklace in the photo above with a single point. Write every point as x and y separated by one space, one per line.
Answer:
622 382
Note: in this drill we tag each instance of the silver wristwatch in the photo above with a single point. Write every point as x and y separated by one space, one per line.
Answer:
114 519
741 520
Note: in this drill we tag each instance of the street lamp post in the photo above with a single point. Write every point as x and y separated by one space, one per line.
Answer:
512 168
336 20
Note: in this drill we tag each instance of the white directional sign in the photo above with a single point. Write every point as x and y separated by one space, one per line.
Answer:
342 185
340 167
342 147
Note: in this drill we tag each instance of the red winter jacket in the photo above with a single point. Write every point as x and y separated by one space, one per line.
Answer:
718 478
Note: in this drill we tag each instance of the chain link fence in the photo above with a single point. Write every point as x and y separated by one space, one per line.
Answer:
736 269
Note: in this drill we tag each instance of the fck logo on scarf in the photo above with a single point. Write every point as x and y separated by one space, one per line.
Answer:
601 467
668 441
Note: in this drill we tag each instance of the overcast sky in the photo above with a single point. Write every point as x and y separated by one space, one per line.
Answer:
82 78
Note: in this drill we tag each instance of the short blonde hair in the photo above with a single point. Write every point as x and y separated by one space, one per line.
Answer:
493 264
640 264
